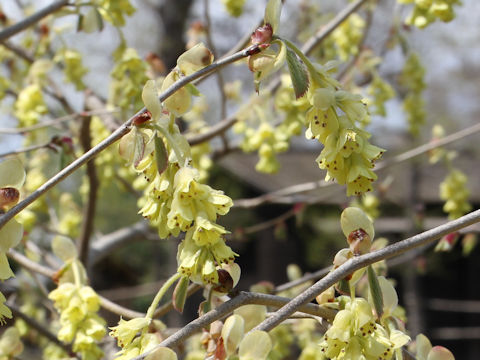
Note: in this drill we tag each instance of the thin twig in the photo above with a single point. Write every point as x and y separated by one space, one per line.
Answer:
31 20
219 75
119 310
104 246
364 260
243 298
50 273
56 121
41 330
27 149
305 278
117 134
17 50
89 209
307 48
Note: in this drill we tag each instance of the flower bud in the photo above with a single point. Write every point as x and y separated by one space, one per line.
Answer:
359 242
262 34
8 197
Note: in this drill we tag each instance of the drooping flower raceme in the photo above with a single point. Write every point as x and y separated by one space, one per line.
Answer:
77 304
174 200
347 156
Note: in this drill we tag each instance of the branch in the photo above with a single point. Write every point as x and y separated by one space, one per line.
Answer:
313 185
89 210
31 20
59 120
243 298
361 261
119 310
27 149
18 51
307 48
108 243
121 131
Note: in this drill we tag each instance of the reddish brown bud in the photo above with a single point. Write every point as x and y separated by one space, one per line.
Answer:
359 242
8 196
262 35
142 118
225 281
44 30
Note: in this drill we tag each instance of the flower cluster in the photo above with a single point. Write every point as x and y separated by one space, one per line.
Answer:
30 105
234 7
347 156
73 67
454 191
334 116
412 79
348 35
125 91
134 337
380 92
78 307
174 199
77 303
114 11
10 344
259 132
427 11
354 334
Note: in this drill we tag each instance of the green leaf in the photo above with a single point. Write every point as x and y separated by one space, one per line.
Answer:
272 14
180 294
192 89
375 291
298 74
161 154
